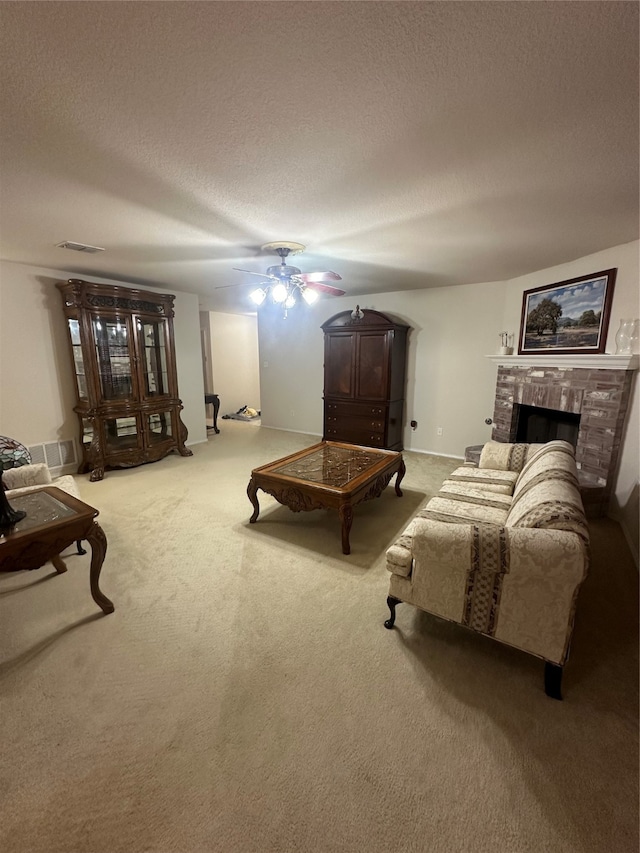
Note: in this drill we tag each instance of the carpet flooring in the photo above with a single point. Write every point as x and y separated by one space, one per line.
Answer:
245 695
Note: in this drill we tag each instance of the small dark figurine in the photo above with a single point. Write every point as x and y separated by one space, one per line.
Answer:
8 516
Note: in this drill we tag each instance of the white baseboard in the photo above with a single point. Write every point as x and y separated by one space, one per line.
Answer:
406 450
297 431
61 470
433 453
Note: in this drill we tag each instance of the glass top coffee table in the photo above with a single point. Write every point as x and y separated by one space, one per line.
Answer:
328 475
54 520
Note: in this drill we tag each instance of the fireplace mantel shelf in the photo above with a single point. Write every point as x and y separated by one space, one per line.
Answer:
600 362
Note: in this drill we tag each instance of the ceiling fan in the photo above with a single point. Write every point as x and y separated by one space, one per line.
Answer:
285 283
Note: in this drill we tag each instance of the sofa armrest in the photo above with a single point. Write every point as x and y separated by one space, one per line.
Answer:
67 484
539 594
37 474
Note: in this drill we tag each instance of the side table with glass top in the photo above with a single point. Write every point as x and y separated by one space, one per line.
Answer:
54 520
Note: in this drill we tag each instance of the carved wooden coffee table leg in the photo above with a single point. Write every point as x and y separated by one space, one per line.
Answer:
402 470
346 517
58 564
98 541
252 491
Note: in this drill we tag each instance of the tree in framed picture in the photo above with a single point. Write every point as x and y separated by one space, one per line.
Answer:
567 317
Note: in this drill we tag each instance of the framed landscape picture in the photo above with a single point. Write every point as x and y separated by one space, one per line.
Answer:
567 317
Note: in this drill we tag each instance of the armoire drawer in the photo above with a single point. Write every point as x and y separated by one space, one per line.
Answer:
357 410
361 424
355 436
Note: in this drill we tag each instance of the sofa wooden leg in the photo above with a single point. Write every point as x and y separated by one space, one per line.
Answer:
81 550
553 680
391 603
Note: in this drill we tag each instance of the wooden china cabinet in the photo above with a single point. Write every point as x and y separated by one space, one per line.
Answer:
123 356
365 354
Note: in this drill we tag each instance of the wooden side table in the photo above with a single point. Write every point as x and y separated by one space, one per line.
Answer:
54 521
215 402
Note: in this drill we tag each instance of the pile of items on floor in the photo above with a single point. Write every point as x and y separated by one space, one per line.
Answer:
246 413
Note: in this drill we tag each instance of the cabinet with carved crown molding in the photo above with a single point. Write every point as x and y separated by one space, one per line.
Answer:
365 356
123 359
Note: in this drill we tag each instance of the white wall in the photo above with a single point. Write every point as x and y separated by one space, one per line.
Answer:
36 384
234 361
450 384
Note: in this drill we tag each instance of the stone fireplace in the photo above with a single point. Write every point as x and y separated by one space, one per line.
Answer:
598 395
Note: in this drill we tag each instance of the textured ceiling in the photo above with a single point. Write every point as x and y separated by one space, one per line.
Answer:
408 145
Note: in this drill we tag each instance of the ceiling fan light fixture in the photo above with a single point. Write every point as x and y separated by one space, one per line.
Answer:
286 283
279 293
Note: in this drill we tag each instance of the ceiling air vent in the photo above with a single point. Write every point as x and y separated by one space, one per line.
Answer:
79 247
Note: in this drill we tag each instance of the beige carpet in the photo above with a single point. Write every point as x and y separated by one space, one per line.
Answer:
245 695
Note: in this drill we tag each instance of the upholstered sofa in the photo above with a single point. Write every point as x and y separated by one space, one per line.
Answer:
501 549
27 478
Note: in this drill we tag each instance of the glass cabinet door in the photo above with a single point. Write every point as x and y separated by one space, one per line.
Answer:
152 335
121 434
112 337
78 358
159 427
87 432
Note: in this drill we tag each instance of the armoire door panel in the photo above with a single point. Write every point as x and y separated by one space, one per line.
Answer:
339 361
373 366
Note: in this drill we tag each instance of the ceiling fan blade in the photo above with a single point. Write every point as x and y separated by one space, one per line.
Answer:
327 275
237 284
327 289
261 274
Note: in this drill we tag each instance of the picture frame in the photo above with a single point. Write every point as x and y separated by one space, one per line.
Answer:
568 317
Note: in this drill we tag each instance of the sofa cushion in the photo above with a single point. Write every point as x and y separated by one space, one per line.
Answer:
553 460
26 476
502 482
547 495
498 456
469 493
25 480
551 508
457 511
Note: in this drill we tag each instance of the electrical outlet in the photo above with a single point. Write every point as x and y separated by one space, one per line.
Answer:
439 431
293 414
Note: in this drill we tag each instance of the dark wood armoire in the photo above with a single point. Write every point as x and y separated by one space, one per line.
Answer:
365 356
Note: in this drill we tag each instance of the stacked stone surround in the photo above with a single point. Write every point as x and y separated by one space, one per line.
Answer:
599 396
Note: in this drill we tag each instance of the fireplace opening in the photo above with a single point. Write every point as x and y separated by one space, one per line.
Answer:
537 426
